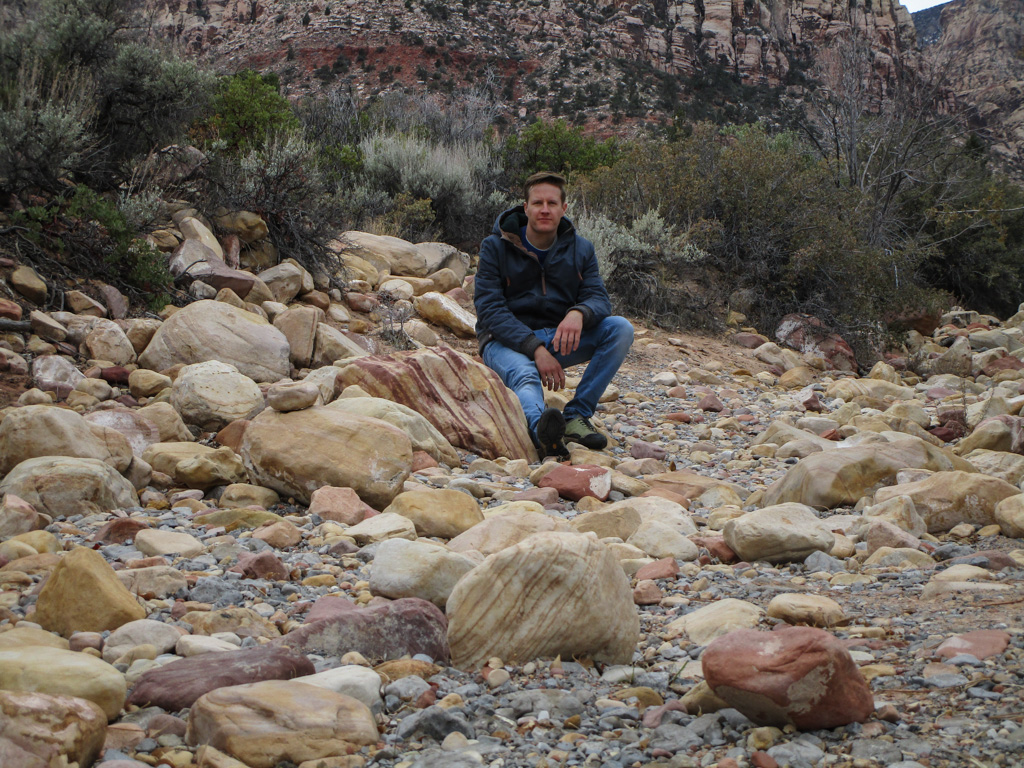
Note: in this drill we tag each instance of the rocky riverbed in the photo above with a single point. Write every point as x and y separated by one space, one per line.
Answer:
233 537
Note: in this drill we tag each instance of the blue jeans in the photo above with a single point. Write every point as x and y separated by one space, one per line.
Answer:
605 346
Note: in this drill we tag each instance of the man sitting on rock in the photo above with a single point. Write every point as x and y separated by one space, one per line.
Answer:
541 306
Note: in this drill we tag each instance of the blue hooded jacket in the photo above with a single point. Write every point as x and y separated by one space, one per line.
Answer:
515 294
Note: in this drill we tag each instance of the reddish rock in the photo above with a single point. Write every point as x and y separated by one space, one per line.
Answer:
647 593
981 644
710 402
1008 363
9 310
800 676
882 533
644 450
679 416
166 724
727 762
654 715
809 335
664 493
576 482
119 530
543 496
748 340
317 299
342 505
177 685
717 547
666 568
460 296
232 246
232 434
115 375
422 460
947 434
261 565
761 759
677 391
812 403
361 302
385 631
146 562
329 607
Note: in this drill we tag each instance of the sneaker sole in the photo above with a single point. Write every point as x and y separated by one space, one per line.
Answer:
593 442
550 431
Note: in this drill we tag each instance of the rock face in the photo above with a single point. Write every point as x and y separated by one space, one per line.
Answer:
177 685
368 455
83 594
213 330
267 723
519 604
802 677
423 435
463 399
404 568
48 728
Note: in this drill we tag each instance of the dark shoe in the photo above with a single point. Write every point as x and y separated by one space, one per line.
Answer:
549 433
579 430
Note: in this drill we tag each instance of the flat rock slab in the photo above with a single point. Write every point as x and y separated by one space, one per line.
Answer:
405 626
177 685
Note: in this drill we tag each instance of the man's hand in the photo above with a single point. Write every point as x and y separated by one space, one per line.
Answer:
551 374
567 335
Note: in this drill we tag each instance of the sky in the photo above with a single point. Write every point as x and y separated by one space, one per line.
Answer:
919 5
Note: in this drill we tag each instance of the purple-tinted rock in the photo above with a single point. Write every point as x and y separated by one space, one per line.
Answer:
177 685
329 607
992 559
263 565
388 631
641 449
119 530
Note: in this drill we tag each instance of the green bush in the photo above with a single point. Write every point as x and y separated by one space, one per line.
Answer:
249 111
554 147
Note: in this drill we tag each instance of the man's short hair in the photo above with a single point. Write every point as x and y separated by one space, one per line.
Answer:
544 177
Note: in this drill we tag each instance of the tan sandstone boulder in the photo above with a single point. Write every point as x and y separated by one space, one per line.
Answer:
297 452
59 485
424 435
523 603
212 330
213 394
45 430
946 499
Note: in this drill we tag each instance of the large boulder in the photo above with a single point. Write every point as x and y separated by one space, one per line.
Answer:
505 530
524 602
712 621
801 676
42 729
139 431
946 499
66 673
404 568
835 478
214 330
297 452
778 534
177 685
272 722
465 400
441 309
107 341
83 594
390 254
45 430
65 486
213 394
424 435
441 512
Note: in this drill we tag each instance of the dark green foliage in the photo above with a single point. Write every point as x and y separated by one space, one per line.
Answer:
85 235
249 111
555 147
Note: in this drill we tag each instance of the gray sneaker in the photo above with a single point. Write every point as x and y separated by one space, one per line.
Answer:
580 430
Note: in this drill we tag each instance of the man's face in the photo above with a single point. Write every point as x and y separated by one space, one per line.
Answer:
544 209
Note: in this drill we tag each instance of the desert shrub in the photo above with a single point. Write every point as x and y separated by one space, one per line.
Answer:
81 90
85 235
282 182
455 178
249 111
